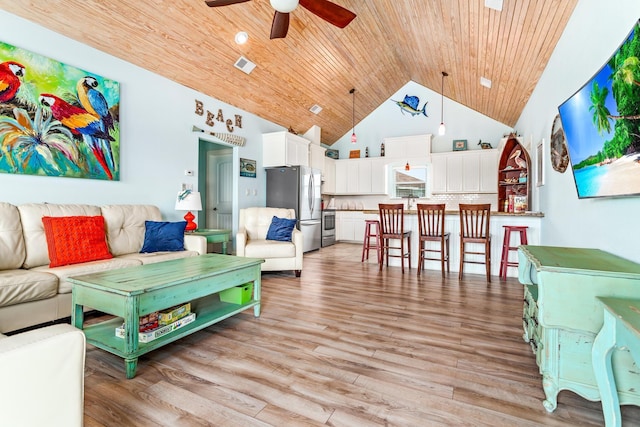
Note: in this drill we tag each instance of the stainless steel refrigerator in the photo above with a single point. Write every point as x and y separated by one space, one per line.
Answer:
298 188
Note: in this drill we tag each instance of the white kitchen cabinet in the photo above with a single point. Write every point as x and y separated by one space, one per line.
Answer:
379 175
341 176
472 171
350 226
439 173
408 147
329 176
489 171
454 174
316 157
284 149
360 176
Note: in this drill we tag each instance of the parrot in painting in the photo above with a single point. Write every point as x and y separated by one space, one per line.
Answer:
10 73
95 103
80 122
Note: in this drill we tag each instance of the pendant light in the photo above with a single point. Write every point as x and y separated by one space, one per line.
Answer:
441 129
354 139
407 167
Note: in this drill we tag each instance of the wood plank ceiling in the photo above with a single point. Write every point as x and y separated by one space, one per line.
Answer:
389 43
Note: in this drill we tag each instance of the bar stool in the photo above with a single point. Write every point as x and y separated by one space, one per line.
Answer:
474 229
369 225
431 229
506 242
392 228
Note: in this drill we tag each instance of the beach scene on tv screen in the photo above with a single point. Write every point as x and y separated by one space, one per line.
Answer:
601 123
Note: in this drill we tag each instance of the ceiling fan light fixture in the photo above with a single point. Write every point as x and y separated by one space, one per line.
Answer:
241 37
284 6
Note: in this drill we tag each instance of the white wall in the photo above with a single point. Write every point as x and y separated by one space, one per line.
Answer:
157 142
388 121
593 33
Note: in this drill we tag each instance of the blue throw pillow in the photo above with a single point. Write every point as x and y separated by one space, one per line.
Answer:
281 229
163 236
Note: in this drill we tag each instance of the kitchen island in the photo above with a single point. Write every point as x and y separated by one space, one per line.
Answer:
350 228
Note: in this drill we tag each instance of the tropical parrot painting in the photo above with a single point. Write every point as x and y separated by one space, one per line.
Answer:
55 119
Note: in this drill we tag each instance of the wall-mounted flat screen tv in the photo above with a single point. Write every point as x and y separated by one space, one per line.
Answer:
601 123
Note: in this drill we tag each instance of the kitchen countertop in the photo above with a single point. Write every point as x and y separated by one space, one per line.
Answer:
414 212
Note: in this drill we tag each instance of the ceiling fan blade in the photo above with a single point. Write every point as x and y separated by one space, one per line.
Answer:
216 3
280 25
330 12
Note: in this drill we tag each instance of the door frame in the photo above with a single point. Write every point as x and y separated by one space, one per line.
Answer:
205 143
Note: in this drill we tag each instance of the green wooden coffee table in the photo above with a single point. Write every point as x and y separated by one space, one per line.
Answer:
132 292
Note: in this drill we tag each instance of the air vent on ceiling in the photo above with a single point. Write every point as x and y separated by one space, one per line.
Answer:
494 4
243 64
315 109
485 82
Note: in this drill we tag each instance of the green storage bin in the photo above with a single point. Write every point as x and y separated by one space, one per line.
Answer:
238 294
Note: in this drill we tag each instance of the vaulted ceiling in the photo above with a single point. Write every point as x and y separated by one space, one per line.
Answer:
389 43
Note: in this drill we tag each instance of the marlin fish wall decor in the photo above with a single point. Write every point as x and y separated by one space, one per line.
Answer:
410 105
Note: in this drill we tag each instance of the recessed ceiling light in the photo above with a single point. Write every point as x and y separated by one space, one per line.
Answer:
241 37
494 4
315 109
485 82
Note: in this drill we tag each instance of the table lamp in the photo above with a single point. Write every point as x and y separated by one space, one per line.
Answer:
189 201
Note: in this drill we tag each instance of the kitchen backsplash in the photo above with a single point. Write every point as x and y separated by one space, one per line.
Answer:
371 202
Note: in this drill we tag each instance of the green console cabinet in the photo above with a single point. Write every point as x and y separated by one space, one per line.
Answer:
562 316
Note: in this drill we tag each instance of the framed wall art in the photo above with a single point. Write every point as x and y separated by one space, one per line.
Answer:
459 144
55 119
247 168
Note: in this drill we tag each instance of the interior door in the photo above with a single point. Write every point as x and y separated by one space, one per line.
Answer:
219 187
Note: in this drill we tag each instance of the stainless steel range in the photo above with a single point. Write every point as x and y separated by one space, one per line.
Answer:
328 227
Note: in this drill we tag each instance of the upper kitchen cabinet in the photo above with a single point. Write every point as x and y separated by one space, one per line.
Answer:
329 176
471 171
514 185
408 147
360 176
316 157
284 149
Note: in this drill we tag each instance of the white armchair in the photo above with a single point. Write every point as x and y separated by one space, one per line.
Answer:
42 375
251 240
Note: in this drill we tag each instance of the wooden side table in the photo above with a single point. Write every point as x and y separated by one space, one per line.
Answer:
621 329
215 235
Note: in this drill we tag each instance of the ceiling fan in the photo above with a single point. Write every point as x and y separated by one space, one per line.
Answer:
330 12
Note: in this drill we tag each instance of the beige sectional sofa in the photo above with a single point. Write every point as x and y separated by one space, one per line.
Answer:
31 292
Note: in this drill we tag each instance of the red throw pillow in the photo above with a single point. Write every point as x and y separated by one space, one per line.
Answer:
75 239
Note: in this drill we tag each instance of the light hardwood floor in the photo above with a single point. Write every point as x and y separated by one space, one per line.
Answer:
345 345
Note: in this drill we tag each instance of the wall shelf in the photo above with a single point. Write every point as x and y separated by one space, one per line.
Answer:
514 165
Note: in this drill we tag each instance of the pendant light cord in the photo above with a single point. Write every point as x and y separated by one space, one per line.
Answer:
353 115
353 109
444 74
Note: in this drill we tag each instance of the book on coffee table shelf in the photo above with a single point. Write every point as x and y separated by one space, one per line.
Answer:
151 335
170 315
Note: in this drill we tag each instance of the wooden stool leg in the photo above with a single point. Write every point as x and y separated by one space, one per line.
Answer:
505 253
366 242
461 260
409 250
